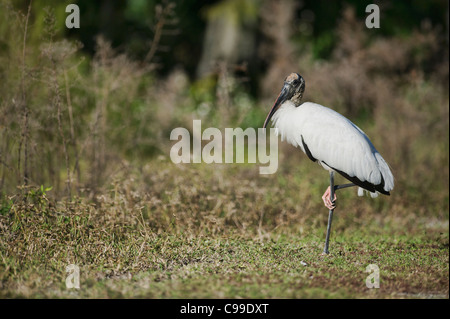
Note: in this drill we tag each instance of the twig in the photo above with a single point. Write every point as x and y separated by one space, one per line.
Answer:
24 137
72 132
162 15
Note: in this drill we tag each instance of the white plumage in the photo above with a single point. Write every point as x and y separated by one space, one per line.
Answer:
330 139
334 141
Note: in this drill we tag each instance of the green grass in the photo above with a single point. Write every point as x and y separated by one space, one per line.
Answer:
204 231
240 268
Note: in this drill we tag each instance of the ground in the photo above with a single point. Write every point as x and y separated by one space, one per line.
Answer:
204 231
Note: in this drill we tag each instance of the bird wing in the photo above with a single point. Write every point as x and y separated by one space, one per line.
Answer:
335 141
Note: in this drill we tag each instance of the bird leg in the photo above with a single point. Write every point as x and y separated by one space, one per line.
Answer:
331 205
327 199
326 196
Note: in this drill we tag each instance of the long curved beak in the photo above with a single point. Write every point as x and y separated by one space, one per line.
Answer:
282 97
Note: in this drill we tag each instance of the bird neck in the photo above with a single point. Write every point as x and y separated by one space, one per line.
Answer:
285 109
283 121
296 99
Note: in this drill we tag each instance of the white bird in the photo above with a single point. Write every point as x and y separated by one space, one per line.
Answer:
331 140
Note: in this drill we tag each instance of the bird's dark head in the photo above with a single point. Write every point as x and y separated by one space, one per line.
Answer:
296 87
293 88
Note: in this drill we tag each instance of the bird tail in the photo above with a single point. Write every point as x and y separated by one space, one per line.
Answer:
361 192
386 173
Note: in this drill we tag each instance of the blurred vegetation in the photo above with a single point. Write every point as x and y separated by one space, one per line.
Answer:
77 103
86 115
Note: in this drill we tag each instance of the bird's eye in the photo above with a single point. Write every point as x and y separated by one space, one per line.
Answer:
295 82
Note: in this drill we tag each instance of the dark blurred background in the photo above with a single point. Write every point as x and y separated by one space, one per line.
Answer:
196 34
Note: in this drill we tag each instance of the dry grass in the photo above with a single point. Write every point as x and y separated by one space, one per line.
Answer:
192 232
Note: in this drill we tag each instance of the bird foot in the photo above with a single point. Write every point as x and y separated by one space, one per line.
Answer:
327 201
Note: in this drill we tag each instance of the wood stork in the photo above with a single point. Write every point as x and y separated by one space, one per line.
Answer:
331 140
